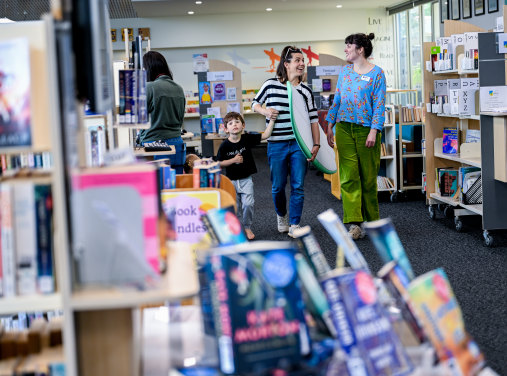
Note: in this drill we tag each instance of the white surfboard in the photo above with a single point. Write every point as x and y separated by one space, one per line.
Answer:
325 160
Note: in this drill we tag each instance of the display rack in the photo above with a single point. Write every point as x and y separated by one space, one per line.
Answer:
404 156
493 210
390 159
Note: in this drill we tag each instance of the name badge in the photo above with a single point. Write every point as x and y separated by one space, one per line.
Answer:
365 78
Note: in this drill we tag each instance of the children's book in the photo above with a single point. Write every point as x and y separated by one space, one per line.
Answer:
326 84
257 307
208 124
385 238
224 227
450 141
437 307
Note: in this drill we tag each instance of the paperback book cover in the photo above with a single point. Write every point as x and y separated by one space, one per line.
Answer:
335 227
385 238
15 112
450 141
396 282
223 226
208 124
258 308
44 229
377 343
439 311
448 182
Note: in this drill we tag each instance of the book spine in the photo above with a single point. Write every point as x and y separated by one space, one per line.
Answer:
128 91
310 248
121 96
142 105
133 94
221 315
26 250
44 214
209 228
8 241
101 146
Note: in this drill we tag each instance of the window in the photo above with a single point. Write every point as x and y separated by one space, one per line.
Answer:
415 48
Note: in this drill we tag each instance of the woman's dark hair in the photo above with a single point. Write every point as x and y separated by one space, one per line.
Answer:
155 64
286 57
362 40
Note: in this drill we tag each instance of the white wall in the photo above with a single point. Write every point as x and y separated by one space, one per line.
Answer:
248 35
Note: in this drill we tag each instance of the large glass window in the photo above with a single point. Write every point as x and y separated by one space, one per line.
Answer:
415 48
427 23
402 47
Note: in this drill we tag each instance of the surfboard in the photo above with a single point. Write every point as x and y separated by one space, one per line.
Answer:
300 119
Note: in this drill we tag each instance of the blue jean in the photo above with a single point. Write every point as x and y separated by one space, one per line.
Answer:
285 157
177 160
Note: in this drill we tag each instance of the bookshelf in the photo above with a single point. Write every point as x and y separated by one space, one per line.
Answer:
389 155
407 165
492 210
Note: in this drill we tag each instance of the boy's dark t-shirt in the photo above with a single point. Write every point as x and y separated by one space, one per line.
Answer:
244 146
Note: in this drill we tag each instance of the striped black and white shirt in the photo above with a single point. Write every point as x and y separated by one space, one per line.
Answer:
274 94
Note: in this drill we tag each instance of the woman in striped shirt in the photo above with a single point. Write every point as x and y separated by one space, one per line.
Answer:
284 155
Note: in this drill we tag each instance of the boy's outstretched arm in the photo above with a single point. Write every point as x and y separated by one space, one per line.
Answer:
269 129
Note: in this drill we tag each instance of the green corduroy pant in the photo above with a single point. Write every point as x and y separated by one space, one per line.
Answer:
359 167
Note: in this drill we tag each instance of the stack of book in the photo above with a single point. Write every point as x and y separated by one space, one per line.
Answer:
271 306
206 174
383 182
411 113
133 106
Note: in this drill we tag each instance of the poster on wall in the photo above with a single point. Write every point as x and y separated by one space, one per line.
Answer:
201 63
455 9
231 93
218 91
204 93
130 32
15 112
444 11
233 107
113 35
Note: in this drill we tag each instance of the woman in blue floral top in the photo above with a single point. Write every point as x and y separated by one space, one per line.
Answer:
358 112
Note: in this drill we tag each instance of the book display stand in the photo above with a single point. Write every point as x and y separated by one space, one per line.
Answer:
492 208
209 140
389 182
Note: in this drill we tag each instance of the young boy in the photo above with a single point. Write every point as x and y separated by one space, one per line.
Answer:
235 154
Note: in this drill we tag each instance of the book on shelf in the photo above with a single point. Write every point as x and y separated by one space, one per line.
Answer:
389 115
95 146
439 312
385 238
410 113
396 282
15 107
383 182
224 226
206 174
364 330
208 124
448 182
257 307
450 141
132 96
114 224
473 135
26 243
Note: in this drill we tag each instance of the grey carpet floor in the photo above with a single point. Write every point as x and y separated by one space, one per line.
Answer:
477 274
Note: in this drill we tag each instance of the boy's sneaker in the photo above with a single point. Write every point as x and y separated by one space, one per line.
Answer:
283 223
356 232
292 229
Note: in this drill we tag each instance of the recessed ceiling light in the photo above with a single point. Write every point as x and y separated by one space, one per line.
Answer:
190 12
269 9
339 6
198 2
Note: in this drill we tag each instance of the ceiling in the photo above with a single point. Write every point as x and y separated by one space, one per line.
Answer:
167 8
25 10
